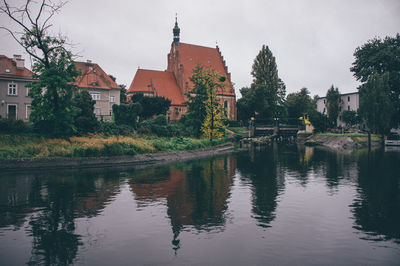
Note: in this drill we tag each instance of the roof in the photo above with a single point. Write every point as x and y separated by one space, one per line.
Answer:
191 55
8 63
93 76
163 82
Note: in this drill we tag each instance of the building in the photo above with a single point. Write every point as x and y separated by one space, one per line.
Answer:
349 102
14 76
100 86
174 83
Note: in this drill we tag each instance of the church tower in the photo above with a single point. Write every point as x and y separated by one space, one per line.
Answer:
176 32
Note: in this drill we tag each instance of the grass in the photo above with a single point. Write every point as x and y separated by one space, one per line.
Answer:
20 146
357 137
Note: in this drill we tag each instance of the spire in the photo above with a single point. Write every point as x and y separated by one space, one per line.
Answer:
176 31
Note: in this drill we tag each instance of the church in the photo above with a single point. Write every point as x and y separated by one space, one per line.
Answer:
174 83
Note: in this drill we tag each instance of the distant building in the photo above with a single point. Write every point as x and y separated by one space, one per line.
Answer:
174 82
14 100
350 102
100 86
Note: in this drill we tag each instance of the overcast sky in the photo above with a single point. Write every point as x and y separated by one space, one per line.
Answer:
313 41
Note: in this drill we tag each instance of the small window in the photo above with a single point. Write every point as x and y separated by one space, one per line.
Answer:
27 91
110 112
12 88
97 111
95 95
112 99
348 98
28 111
348 107
8 70
324 101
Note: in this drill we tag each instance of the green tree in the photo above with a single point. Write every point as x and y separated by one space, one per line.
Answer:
299 103
333 103
244 108
266 94
194 118
53 67
379 56
350 118
375 103
127 114
151 106
85 119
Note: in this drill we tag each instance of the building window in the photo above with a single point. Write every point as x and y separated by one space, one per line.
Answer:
110 112
348 107
28 111
112 99
12 88
324 101
324 111
27 91
95 95
348 98
12 111
8 70
97 111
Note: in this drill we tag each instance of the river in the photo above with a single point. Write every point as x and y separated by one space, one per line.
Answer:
285 204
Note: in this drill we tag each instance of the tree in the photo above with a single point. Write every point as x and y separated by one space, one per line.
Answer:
375 103
151 106
85 119
194 118
267 92
333 102
122 96
213 125
53 67
127 114
299 103
350 118
378 57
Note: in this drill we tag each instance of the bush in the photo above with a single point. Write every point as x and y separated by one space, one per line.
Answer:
230 123
14 126
159 127
110 128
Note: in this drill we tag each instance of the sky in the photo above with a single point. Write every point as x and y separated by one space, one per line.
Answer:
313 41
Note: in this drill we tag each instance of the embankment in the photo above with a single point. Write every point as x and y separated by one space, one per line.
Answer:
95 162
342 142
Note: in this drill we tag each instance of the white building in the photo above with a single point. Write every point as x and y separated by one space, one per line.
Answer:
350 102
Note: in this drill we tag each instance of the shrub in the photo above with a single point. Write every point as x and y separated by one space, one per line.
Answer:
14 126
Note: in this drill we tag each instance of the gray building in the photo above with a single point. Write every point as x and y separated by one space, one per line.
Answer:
14 100
349 102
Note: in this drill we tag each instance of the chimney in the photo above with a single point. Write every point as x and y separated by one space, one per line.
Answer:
89 61
19 61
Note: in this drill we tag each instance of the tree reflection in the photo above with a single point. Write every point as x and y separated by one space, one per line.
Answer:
196 193
50 203
377 208
261 170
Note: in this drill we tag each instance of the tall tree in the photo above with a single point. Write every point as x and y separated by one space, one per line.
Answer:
53 67
266 94
333 104
213 125
375 103
379 56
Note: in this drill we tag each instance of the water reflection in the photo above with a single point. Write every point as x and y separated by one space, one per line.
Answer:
49 204
377 207
197 197
196 194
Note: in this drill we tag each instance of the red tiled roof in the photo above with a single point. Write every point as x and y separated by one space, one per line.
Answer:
191 55
93 76
8 63
163 82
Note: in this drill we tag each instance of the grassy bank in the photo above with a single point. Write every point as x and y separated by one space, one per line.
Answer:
356 137
19 146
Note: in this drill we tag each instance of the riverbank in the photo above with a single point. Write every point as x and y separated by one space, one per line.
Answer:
96 162
342 142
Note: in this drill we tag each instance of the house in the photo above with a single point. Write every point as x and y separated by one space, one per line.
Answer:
100 86
14 76
174 83
349 102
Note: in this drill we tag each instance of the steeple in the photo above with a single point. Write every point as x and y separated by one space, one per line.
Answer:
176 31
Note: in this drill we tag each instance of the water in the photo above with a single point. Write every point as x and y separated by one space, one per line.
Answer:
283 205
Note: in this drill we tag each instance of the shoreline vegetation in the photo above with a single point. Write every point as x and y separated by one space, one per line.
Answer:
341 142
27 146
